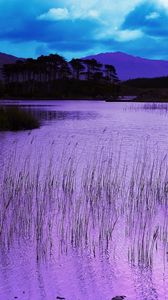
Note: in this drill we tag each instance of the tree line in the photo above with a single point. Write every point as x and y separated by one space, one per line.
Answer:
146 83
53 76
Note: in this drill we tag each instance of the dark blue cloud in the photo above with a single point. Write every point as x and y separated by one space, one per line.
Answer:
20 27
141 18
17 13
48 31
20 24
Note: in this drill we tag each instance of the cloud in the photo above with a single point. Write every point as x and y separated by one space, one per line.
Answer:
128 35
163 3
59 36
149 20
55 14
109 13
153 15
83 27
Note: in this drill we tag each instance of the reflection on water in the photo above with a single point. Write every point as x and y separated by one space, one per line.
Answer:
84 211
64 115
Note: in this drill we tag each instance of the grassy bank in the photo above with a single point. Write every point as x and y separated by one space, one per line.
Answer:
146 89
14 118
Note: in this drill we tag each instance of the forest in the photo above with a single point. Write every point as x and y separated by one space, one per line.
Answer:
146 89
157 82
52 77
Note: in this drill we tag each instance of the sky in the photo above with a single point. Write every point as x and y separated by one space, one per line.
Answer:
76 28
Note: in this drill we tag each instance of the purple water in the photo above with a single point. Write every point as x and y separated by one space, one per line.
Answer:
75 138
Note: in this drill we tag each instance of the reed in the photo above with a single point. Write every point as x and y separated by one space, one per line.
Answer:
88 206
15 118
152 107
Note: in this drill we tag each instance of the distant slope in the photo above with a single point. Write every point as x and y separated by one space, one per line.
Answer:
148 83
6 59
130 67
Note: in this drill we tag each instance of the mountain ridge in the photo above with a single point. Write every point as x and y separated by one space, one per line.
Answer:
7 59
127 66
128 55
131 67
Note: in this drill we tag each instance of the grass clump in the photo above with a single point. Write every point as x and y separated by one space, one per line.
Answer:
15 118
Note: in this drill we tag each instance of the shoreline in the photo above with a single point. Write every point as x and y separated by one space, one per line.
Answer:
121 100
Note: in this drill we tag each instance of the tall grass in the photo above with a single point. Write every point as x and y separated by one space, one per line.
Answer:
162 108
15 118
90 206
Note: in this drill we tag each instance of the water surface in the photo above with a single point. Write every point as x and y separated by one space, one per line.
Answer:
88 215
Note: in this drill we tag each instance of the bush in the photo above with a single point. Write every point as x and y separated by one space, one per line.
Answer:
14 118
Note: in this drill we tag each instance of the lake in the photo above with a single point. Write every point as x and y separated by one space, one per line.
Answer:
84 202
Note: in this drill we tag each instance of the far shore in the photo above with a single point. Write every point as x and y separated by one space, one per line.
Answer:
124 99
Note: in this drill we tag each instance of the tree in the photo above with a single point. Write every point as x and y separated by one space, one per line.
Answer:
110 73
77 68
55 63
92 67
51 76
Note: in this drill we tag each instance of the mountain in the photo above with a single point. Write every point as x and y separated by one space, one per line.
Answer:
127 66
130 67
6 59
